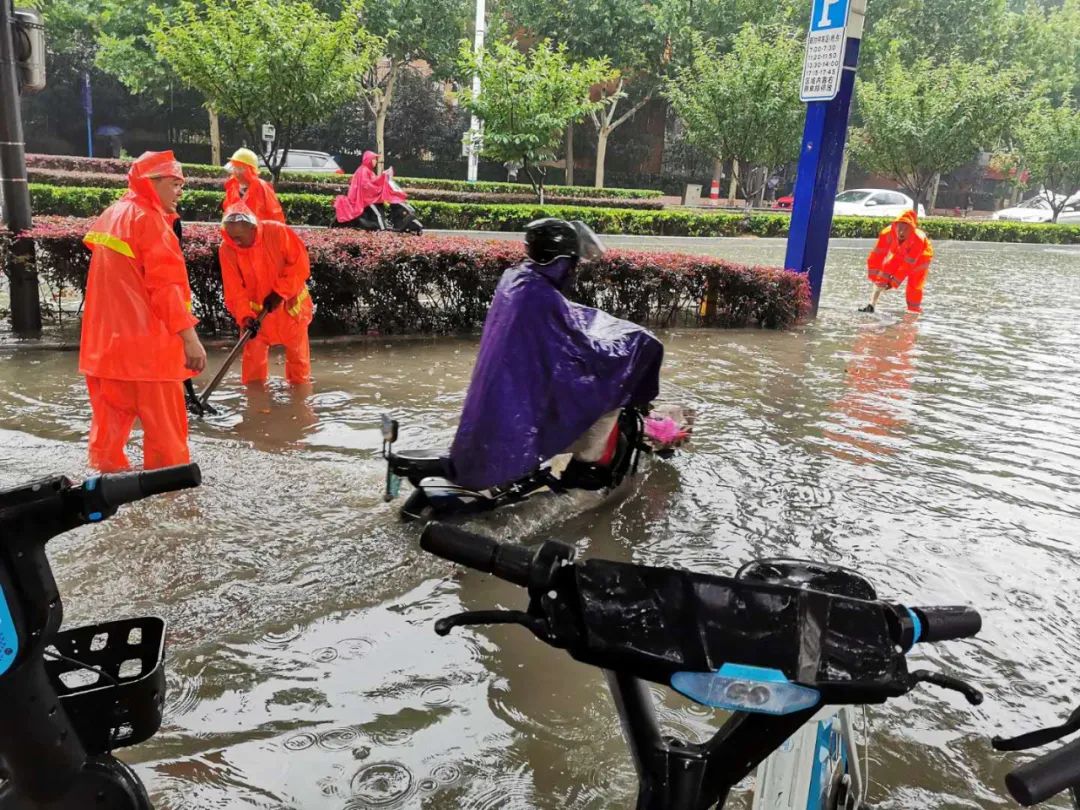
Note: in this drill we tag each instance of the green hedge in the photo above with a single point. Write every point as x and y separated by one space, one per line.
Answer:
73 163
290 185
312 209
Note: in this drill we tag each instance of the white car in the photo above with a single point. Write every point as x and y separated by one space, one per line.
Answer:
873 202
1037 209
304 160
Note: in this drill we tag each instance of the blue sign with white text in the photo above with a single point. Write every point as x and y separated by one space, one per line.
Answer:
829 14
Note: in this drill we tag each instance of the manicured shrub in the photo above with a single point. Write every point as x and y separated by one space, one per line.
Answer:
72 163
317 209
384 283
61 177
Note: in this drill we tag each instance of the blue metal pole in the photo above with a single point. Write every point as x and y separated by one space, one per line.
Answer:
822 154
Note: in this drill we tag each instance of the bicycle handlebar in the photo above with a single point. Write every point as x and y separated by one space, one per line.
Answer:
653 622
1046 776
504 560
946 623
116 489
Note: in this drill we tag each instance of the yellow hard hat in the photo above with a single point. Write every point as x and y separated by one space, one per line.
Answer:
247 157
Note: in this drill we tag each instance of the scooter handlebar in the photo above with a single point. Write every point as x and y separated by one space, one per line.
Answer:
116 489
947 623
505 560
1046 776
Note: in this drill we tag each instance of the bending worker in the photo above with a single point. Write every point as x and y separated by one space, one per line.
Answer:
138 334
903 253
265 268
245 185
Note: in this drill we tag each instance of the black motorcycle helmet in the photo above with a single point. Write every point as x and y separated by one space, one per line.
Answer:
550 238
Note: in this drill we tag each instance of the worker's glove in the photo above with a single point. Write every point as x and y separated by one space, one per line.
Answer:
272 302
250 325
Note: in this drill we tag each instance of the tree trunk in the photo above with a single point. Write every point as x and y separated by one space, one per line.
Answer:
215 138
380 117
761 190
601 155
931 200
733 189
842 184
570 155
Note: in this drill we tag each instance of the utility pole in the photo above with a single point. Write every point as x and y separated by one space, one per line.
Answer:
474 127
25 306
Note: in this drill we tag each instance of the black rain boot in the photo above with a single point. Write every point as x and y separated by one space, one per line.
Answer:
868 308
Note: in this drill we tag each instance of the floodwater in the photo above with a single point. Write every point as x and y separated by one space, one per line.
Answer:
939 457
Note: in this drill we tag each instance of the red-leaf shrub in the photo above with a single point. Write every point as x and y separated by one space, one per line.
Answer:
392 284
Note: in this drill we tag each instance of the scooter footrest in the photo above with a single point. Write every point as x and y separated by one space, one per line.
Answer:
113 686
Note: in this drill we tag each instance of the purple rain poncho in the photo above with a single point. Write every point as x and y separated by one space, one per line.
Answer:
547 370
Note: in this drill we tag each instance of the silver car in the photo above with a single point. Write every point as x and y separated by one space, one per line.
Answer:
307 161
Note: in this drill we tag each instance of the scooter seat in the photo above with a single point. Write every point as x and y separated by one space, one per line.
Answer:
417 464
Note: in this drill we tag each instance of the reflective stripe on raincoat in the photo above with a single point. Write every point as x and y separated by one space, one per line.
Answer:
137 292
892 262
259 197
276 262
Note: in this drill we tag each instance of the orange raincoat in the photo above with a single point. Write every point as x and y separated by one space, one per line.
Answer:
276 262
892 262
137 301
259 197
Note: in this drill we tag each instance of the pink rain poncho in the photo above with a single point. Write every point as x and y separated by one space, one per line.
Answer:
367 188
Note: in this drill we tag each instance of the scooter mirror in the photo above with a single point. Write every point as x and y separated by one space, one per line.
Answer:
817 576
389 429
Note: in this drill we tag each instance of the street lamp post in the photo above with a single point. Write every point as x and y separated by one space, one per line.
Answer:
476 124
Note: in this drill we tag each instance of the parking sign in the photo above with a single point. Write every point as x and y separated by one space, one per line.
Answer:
824 60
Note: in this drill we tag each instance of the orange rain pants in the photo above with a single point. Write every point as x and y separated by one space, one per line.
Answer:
137 301
893 262
276 262
159 406
259 197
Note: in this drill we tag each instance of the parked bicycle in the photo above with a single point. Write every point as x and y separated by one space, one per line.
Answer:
71 697
777 644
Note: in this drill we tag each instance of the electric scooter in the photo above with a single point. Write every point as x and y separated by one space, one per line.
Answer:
1050 774
436 496
775 645
71 697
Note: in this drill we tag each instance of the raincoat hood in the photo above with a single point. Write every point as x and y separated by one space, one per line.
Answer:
547 370
910 217
370 160
240 211
152 166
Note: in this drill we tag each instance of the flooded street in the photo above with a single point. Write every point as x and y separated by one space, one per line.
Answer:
940 457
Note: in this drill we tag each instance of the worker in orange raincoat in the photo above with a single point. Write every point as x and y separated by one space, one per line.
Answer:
245 185
264 266
903 253
138 334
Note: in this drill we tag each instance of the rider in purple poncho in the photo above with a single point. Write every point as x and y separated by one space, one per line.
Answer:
551 375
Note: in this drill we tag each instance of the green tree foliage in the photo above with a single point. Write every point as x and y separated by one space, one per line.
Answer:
409 30
528 100
267 61
925 119
631 34
743 104
1048 45
939 30
125 49
1047 153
